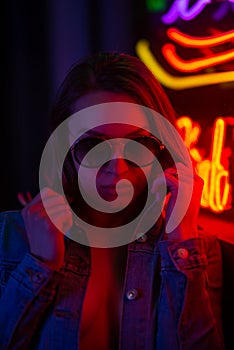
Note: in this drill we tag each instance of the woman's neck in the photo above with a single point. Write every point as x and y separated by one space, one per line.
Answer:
109 220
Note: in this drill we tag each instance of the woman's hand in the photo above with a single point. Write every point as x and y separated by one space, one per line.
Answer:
187 227
45 239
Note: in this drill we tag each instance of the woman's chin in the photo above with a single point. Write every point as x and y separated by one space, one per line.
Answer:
117 201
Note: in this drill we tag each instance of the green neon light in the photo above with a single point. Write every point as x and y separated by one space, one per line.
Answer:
156 5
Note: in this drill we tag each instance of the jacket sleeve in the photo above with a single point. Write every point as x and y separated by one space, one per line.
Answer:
189 309
31 286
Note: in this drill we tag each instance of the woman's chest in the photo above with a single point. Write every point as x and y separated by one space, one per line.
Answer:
102 306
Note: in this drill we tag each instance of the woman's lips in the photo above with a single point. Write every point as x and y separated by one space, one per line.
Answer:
112 189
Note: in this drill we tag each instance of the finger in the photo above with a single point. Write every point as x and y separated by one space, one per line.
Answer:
39 210
47 193
171 182
22 199
62 221
181 169
55 202
47 196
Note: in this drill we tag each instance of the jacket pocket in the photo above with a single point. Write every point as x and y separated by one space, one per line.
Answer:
6 269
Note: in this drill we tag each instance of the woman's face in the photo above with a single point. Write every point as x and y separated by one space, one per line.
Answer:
117 168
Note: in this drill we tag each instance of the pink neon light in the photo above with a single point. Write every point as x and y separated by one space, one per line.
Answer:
180 9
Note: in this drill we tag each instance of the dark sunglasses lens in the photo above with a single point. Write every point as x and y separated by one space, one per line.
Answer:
139 154
92 159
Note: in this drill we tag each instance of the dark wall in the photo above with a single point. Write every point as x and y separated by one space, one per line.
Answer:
42 39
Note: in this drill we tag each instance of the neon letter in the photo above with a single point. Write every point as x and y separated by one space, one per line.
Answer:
216 193
180 9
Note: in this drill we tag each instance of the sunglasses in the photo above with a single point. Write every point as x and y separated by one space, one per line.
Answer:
133 154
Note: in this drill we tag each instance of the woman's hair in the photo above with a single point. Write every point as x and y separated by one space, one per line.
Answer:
113 72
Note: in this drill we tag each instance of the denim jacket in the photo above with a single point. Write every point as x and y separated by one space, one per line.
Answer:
172 294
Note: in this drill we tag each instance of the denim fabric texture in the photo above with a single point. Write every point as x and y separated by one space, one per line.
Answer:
172 294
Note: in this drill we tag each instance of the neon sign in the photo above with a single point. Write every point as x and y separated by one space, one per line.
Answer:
223 10
214 171
175 82
193 61
180 9
156 5
202 48
194 65
169 50
189 41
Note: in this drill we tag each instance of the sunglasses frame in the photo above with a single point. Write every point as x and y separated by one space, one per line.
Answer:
161 147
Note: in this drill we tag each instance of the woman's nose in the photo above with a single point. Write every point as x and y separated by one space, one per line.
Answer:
117 166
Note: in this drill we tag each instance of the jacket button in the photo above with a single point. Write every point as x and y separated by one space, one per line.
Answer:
131 294
142 238
37 277
182 253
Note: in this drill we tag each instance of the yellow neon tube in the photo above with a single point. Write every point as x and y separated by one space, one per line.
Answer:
178 83
217 190
187 40
217 169
191 136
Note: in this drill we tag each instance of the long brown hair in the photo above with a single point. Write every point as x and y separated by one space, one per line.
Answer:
114 72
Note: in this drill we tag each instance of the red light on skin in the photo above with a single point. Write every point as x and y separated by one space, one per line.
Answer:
214 171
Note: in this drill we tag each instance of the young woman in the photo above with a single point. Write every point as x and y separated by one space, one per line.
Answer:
160 289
